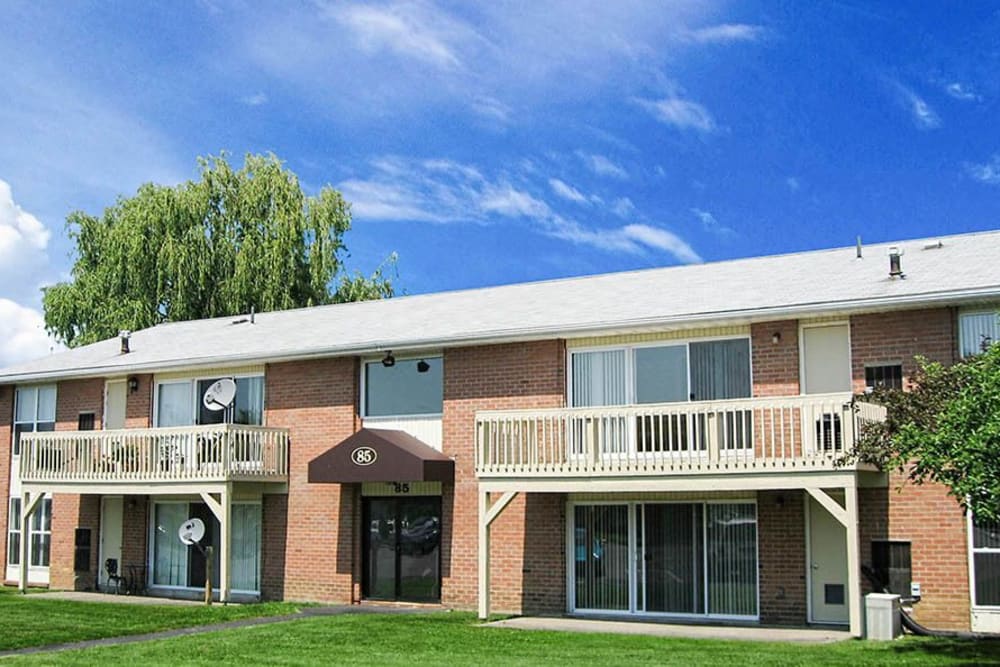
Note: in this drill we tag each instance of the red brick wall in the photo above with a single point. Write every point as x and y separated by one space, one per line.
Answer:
76 396
544 555
317 400
273 538
523 375
775 365
139 405
781 543
897 337
935 526
6 419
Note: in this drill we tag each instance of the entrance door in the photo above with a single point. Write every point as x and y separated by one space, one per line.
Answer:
111 535
827 565
402 550
826 359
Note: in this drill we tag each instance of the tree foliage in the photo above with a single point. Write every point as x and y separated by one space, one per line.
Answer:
945 428
231 241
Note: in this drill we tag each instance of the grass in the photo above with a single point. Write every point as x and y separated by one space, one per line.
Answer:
32 620
456 640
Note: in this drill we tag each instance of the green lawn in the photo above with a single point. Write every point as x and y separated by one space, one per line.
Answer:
30 620
454 639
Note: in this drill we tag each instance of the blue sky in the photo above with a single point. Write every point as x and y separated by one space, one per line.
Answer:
499 142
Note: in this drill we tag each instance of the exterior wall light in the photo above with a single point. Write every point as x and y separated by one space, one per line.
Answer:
389 361
423 366
776 337
133 384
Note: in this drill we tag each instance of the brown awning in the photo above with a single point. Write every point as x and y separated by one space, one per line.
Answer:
381 455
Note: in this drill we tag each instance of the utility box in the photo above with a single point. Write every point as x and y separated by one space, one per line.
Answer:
882 617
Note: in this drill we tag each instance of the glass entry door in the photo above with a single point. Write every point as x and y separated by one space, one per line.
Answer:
402 549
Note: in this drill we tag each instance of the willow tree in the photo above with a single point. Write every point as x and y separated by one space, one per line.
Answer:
231 241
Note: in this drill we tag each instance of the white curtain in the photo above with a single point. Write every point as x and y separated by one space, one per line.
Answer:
173 404
249 401
599 378
170 555
245 556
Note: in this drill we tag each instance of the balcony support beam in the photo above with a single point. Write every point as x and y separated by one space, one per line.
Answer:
487 515
223 511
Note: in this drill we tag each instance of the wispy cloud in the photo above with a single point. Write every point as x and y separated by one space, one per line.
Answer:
713 226
492 109
960 91
923 115
445 191
567 192
987 172
623 207
725 33
602 166
255 100
680 113
410 29
793 183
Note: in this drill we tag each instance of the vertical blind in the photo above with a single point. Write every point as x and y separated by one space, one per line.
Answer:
977 329
986 562
599 378
691 558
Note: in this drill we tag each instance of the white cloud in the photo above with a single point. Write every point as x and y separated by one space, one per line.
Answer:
713 226
663 240
923 115
492 109
961 92
567 192
988 172
680 113
22 334
602 166
725 33
793 183
410 29
255 100
24 244
623 207
445 191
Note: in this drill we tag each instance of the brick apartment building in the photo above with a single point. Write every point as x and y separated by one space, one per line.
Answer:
654 443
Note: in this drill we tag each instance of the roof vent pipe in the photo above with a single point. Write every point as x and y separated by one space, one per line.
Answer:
859 247
252 314
895 265
123 336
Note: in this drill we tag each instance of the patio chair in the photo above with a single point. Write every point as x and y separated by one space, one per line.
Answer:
116 582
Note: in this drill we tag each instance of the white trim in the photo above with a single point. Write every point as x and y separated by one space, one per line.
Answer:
193 382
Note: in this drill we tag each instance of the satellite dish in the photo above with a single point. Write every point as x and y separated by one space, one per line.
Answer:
191 531
220 395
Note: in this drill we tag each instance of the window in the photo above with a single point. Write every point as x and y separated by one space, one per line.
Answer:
40 534
976 331
178 403
14 532
986 563
410 387
697 371
889 376
85 422
178 566
891 565
35 410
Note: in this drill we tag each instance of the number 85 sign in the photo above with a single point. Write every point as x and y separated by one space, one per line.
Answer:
364 456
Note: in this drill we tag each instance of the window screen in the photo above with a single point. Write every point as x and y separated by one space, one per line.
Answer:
889 376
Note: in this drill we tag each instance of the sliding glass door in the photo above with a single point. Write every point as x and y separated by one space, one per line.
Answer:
692 559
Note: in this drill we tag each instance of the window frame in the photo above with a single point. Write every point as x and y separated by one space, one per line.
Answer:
889 364
630 365
193 381
13 529
42 517
363 387
976 313
972 551
15 422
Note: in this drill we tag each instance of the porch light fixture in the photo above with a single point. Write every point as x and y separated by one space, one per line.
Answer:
776 337
423 366
389 361
133 384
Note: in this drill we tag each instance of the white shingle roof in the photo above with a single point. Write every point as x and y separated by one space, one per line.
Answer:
963 269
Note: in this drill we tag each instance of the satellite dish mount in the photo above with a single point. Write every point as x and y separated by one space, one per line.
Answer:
220 396
191 533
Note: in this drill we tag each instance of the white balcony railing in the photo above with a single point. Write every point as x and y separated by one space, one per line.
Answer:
214 453
754 435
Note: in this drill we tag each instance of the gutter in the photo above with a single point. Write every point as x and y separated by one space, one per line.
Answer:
748 316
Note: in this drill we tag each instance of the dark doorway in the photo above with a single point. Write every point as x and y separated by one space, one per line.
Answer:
402 549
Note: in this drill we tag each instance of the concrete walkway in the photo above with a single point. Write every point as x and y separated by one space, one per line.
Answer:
743 633
332 610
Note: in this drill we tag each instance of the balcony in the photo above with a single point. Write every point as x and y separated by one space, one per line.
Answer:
189 455
792 434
